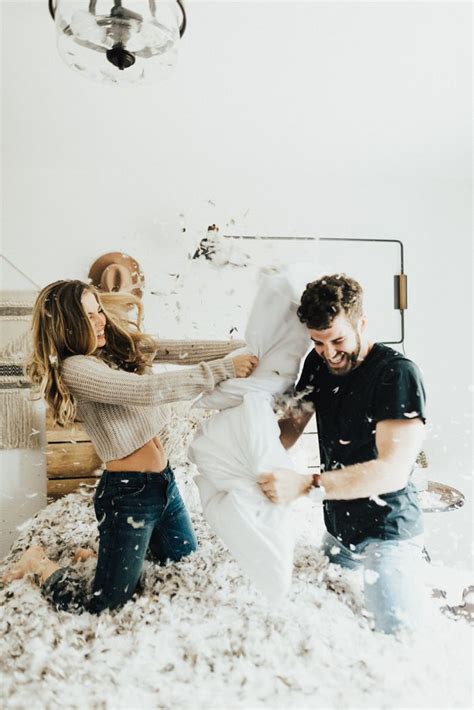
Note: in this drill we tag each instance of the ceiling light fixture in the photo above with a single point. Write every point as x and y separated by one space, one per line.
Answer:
133 45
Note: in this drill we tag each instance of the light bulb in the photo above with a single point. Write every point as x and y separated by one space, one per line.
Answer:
129 45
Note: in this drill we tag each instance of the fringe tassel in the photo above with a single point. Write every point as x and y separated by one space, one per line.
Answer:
17 421
18 349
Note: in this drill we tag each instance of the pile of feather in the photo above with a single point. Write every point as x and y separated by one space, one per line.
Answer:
199 635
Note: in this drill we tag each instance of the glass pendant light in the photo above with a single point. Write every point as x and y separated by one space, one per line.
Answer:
122 42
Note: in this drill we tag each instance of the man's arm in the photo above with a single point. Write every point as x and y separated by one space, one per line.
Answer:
292 427
398 443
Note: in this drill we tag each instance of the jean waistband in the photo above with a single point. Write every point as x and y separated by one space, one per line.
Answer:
166 473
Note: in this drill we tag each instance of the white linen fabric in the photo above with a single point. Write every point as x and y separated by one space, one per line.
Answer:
242 440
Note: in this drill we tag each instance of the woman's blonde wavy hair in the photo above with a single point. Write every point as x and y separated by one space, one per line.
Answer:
61 328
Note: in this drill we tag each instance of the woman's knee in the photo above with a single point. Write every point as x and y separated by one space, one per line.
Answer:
172 546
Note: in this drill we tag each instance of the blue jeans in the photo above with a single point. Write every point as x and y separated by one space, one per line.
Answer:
138 513
393 586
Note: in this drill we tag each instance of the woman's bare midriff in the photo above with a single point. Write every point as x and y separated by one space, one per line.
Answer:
149 458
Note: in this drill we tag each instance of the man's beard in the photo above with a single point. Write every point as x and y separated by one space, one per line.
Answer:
350 360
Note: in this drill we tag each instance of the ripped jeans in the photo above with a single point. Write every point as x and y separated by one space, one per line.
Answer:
137 513
393 585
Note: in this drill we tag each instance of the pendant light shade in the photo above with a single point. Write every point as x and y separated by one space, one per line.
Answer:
122 42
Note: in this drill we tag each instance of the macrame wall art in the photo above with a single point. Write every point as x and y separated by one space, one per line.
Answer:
18 410
22 412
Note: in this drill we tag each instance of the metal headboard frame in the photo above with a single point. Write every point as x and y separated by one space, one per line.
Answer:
400 280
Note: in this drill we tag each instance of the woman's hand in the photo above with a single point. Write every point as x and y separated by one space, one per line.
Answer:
244 365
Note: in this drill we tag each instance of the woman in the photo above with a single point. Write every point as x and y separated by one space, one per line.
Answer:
92 364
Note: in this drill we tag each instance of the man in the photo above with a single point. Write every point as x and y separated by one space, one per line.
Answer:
370 408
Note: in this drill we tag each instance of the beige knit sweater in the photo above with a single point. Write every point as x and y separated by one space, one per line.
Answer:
121 410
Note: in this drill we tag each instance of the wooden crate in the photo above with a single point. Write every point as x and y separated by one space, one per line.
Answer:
70 458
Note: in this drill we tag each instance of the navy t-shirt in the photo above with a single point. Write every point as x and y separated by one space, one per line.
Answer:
386 385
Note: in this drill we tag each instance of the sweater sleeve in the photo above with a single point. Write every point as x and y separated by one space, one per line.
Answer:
191 352
91 380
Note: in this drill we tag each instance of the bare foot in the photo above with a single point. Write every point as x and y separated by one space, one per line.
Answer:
83 553
29 562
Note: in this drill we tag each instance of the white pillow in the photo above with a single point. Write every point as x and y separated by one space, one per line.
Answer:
237 444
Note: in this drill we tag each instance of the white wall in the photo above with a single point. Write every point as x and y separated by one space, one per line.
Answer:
326 118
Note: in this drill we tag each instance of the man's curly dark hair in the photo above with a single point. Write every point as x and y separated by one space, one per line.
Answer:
324 299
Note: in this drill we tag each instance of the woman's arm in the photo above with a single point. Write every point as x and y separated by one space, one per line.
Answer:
191 352
91 380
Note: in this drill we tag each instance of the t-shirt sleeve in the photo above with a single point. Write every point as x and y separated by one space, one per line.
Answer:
306 383
400 393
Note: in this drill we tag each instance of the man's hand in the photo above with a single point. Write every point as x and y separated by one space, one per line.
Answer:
284 485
